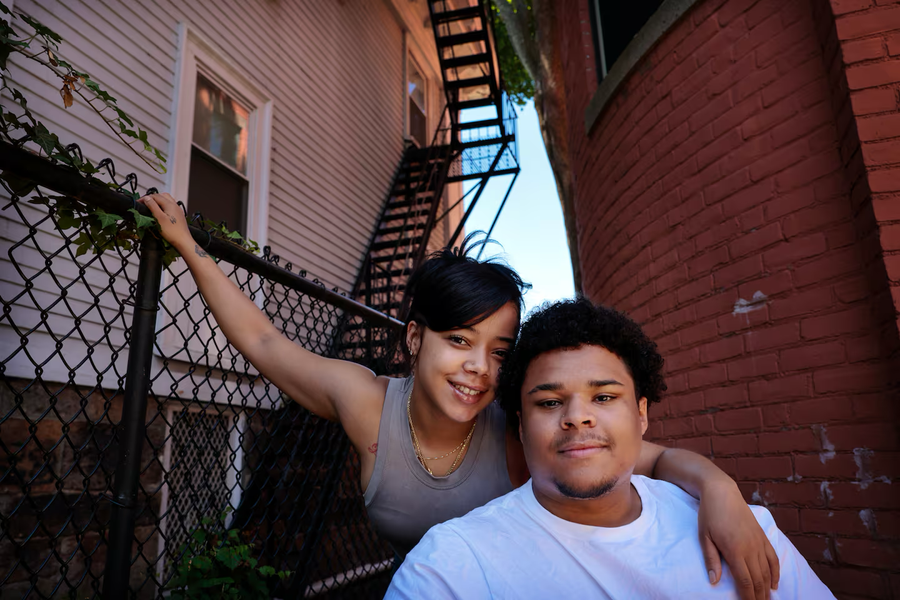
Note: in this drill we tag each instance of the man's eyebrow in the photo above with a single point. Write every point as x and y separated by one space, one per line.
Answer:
546 387
604 382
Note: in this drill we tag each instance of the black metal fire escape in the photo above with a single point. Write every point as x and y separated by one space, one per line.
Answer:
474 141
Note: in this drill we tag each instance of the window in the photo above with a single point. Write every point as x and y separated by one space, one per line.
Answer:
220 163
614 25
416 91
218 172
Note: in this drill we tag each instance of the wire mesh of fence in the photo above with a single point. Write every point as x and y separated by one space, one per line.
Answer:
213 434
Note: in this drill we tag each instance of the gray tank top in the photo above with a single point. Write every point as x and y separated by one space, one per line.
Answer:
404 501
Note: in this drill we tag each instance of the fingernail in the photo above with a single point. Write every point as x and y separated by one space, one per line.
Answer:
712 576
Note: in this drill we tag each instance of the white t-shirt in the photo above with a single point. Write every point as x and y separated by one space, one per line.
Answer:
514 548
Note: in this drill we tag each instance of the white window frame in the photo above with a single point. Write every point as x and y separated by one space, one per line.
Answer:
196 56
411 59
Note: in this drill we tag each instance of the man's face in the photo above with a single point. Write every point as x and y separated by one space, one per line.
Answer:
581 425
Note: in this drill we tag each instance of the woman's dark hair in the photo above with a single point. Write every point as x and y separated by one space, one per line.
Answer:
569 324
451 289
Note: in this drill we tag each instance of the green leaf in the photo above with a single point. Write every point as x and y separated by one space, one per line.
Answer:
19 185
141 221
66 221
170 255
46 140
40 29
106 219
266 571
229 558
124 117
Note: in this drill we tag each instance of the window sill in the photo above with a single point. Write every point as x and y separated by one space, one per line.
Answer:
662 20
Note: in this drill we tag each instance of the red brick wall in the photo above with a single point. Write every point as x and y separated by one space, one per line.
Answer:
867 35
719 203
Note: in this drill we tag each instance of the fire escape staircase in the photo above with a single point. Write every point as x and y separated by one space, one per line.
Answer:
474 141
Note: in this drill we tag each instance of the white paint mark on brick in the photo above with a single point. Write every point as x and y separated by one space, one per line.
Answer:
795 478
827 555
758 499
827 447
825 491
742 306
868 518
863 457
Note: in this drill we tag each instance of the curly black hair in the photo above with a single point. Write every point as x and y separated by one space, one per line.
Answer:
574 323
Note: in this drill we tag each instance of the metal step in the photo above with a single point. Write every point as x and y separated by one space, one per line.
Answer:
412 215
465 61
470 12
461 38
391 258
377 246
465 83
498 172
473 104
400 229
394 204
488 141
480 124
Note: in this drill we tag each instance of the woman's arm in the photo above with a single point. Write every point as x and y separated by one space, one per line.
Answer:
316 383
727 524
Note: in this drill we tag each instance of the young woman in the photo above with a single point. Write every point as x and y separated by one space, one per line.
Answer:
435 445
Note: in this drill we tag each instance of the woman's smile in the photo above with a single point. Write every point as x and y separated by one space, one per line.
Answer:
466 394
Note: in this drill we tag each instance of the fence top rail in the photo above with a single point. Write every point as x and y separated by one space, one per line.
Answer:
67 181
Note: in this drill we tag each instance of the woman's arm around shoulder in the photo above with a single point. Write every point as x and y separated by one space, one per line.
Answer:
726 523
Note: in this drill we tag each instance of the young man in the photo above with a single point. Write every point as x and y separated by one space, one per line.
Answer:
579 382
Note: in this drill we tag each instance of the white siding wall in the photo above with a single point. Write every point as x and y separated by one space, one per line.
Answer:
334 70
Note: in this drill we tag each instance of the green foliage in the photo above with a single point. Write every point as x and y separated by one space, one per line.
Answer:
218 230
96 230
216 565
519 84
41 45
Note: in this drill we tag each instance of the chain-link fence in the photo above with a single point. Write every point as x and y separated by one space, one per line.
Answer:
126 417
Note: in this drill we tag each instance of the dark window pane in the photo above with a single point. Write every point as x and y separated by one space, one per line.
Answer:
417 123
620 22
218 193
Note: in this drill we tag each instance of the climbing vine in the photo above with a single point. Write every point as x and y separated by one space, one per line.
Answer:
96 229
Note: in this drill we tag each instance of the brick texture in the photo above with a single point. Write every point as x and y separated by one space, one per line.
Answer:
739 198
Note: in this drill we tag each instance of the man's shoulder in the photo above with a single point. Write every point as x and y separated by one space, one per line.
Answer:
476 528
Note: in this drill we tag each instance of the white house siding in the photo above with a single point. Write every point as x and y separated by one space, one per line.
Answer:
334 70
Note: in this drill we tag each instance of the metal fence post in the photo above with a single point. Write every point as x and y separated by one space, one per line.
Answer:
133 424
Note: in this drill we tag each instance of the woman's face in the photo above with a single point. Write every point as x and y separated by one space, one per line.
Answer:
457 369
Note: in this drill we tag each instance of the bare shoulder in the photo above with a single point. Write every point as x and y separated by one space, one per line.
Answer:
359 400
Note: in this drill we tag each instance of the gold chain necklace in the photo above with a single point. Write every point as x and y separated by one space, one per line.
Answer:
415 439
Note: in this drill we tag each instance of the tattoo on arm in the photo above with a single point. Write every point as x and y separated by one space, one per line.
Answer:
373 448
172 220
200 252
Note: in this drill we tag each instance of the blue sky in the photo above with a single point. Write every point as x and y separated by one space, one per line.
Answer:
531 225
